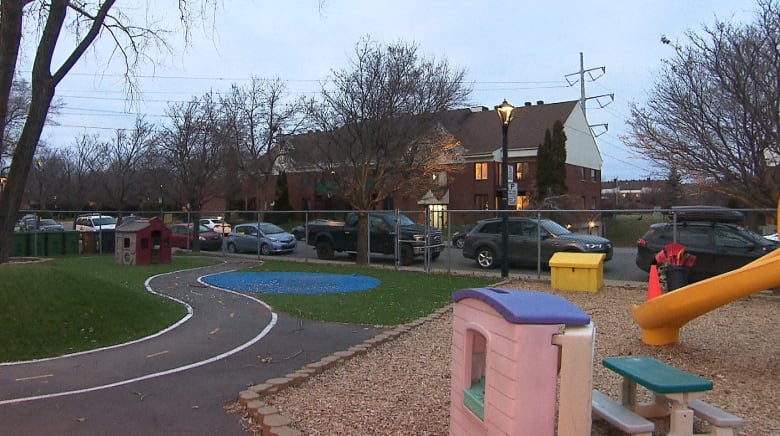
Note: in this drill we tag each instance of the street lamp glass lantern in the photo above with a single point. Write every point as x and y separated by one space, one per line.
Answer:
505 112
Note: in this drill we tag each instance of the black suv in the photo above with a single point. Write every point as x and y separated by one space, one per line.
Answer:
719 244
483 241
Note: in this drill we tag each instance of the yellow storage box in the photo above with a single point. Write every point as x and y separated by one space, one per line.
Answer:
577 271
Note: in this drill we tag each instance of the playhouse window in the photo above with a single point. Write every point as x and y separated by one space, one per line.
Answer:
474 395
126 242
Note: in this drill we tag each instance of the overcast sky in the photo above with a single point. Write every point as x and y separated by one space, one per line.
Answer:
520 51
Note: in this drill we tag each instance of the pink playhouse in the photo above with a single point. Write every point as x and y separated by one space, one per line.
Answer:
143 241
515 355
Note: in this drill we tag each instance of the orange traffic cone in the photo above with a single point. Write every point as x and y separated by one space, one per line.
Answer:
653 284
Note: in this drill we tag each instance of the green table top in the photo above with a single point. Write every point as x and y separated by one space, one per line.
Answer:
656 375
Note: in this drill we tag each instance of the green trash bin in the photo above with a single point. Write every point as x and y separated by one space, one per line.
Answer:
37 244
55 243
20 244
70 242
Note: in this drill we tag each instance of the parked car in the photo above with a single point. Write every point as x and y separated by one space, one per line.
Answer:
459 238
300 231
50 225
32 223
719 247
263 238
483 241
183 236
216 224
94 223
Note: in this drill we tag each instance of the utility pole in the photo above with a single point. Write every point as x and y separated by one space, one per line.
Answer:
581 77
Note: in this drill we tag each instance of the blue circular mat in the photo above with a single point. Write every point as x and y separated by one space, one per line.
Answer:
291 282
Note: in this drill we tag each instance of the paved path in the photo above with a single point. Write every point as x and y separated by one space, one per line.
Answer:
177 382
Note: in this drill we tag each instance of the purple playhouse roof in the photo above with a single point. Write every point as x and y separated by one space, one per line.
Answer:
526 307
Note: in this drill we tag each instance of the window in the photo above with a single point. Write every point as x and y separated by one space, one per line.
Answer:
593 175
521 170
593 203
481 171
523 201
481 202
582 174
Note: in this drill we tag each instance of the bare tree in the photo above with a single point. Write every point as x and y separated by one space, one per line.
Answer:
256 118
18 105
380 133
87 20
714 112
125 154
193 149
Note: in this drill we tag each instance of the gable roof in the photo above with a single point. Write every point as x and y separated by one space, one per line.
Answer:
479 130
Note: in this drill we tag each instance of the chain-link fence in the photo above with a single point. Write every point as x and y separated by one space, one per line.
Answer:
392 240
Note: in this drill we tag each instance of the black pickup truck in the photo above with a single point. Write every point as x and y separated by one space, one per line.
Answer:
336 236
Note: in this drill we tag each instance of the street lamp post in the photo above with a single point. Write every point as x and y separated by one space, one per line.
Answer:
505 114
160 200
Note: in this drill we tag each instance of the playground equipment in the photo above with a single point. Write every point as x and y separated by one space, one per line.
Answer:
512 351
661 318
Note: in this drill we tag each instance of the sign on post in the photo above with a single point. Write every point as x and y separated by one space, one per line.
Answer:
511 194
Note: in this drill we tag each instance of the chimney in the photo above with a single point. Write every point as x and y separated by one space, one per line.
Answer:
528 103
478 108
539 102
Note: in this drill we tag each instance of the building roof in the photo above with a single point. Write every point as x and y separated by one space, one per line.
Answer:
136 225
478 129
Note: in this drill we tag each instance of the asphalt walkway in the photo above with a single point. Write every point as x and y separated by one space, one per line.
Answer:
174 383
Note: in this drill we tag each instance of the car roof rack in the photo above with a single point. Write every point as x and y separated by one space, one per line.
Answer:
706 213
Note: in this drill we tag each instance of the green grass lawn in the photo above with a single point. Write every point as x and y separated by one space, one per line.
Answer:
80 303
402 295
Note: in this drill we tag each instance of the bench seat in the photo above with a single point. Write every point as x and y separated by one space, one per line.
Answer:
619 417
721 422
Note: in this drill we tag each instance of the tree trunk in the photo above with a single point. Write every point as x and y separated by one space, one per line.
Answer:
21 163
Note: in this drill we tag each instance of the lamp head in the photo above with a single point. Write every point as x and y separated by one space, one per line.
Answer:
505 112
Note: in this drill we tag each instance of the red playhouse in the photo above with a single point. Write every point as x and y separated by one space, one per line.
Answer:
143 241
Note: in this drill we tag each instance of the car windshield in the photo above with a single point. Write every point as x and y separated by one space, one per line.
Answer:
404 220
555 228
270 229
48 222
103 221
202 228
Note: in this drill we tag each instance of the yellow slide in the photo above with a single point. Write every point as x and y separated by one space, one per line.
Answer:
661 318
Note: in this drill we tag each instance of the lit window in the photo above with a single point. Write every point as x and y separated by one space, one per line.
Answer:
481 171
521 170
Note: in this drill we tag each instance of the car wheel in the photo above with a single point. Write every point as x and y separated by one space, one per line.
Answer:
459 243
265 249
324 250
231 248
486 257
407 255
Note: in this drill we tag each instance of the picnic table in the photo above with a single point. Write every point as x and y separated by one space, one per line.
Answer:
673 390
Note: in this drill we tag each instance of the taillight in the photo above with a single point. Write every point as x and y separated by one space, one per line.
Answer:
641 242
